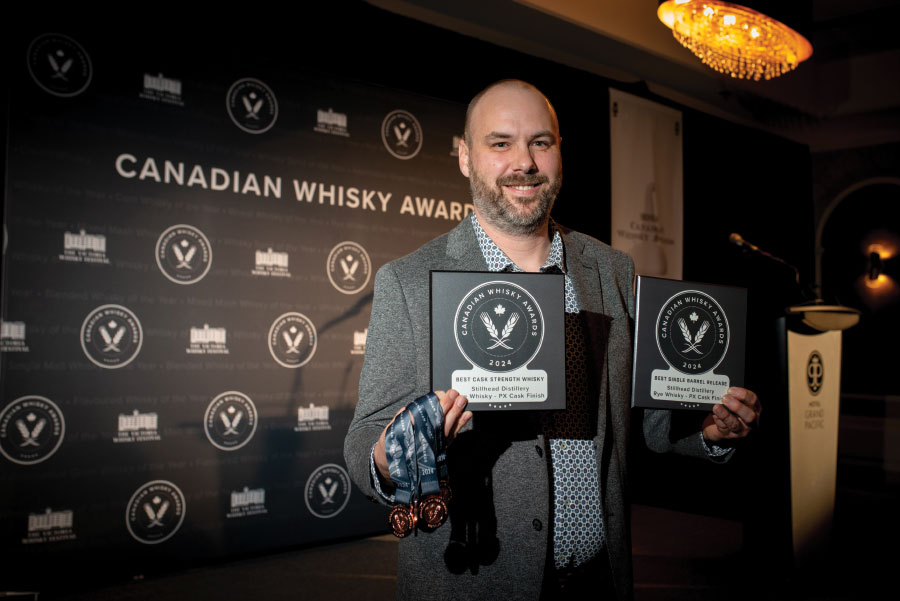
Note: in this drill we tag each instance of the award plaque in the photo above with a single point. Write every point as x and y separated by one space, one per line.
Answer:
499 338
689 343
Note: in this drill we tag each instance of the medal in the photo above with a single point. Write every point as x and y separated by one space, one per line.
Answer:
402 520
433 512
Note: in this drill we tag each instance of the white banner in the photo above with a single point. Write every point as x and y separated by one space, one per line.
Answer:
647 202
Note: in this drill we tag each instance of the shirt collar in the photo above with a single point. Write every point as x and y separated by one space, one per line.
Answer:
497 260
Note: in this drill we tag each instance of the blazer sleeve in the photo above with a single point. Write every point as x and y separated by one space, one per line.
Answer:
388 379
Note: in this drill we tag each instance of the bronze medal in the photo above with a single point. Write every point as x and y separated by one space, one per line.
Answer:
433 512
402 520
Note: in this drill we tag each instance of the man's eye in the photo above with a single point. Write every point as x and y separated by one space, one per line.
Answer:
501 144
541 143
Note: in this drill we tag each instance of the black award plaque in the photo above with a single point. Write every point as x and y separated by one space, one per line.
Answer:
499 338
689 343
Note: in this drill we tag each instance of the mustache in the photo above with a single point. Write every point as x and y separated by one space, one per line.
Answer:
522 179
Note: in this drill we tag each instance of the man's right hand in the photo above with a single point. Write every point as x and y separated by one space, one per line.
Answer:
453 405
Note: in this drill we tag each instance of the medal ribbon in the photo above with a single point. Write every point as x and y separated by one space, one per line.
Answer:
429 438
399 445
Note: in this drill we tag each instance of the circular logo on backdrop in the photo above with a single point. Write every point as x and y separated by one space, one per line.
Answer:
499 326
59 64
111 336
31 429
183 254
155 512
692 332
401 134
815 373
327 491
252 105
230 420
292 340
349 267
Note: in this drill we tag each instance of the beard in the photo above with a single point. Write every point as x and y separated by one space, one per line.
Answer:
513 216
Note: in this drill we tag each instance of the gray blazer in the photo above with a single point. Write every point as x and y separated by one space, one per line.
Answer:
496 542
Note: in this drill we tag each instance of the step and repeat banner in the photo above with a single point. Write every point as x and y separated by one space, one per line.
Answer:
188 262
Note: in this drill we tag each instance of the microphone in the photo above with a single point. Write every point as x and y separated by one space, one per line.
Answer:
738 240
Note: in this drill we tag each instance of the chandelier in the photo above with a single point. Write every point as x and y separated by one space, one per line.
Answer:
733 39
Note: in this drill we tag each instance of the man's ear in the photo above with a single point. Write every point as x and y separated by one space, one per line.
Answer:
463 157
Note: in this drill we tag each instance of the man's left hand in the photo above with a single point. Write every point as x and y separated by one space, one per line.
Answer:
734 418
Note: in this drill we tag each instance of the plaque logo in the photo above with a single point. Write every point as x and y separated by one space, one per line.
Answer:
111 336
230 420
815 373
155 512
59 65
401 134
692 332
31 430
327 491
349 267
183 254
252 105
499 327
292 340
50 526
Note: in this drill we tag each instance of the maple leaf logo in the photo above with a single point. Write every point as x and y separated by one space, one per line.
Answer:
499 309
693 317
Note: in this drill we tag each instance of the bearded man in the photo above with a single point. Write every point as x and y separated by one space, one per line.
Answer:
539 507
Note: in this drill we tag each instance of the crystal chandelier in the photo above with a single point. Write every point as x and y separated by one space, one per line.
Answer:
733 39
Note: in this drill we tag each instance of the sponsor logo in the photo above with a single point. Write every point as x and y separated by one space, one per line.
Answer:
327 491
312 419
252 105
359 342
12 337
207 341
499 326
454 146
162 89
59 65
292 340
692 332
183 254
111 336
271 263
137 427
348 267
247 502
31 430
815 373
50 526
155 512
82 247
230 420
401 134
329 122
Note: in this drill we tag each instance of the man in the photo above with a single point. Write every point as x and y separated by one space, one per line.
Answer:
539 502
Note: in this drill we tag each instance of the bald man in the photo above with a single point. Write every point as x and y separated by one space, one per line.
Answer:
539 507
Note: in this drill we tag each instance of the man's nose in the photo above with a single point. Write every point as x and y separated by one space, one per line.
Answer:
524 160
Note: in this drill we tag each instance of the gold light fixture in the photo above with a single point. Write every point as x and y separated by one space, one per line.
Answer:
733 39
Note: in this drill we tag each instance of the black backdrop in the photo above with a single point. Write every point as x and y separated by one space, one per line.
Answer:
362 63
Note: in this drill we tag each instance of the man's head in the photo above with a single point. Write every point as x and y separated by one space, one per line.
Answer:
511 156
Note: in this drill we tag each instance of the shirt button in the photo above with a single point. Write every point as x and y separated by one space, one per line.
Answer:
539 450
536 524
